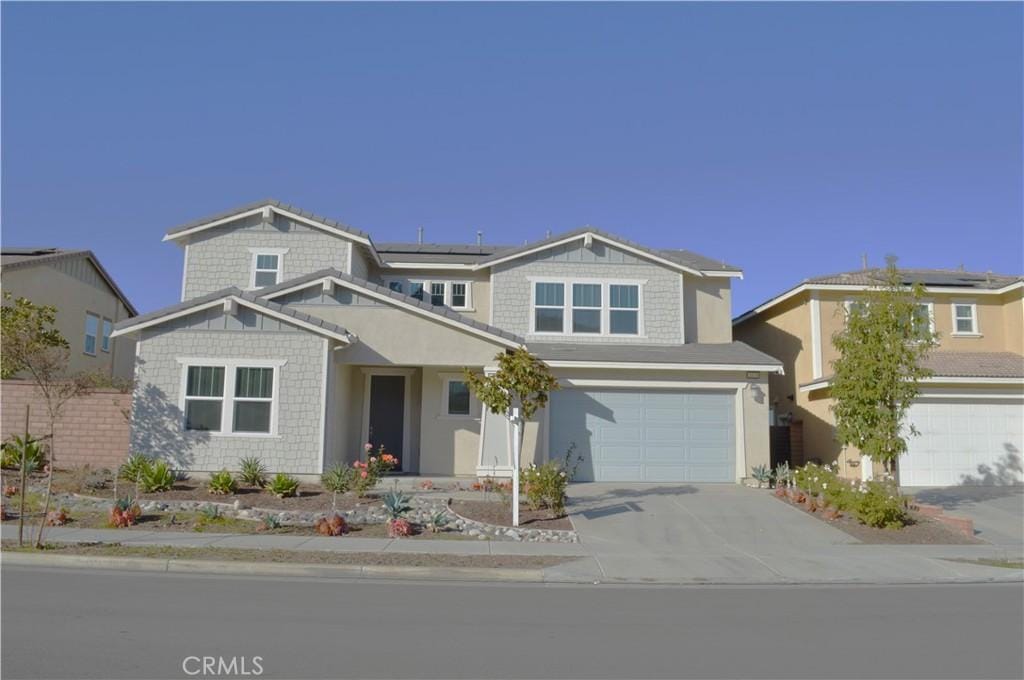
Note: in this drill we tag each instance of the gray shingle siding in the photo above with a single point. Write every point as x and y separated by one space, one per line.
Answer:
157 418
315 295
661 305
221 256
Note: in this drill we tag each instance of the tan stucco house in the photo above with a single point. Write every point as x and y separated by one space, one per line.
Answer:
88 301
970 413
299 338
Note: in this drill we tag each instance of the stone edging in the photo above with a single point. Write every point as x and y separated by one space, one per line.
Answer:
472 527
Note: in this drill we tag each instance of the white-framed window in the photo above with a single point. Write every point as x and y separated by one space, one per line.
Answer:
455 294
965 317
92 331
107 327
548 307
267 266
924 318
586 307
230 397
456 399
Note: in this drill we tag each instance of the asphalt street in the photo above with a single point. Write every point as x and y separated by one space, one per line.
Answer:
95 624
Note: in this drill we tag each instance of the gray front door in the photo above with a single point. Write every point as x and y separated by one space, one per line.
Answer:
387 415
646 436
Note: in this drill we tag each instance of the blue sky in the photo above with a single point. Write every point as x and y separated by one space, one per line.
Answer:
787 139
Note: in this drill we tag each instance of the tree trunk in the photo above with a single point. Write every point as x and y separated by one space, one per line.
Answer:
21 509
49 486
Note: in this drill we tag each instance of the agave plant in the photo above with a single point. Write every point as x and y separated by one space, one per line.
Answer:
17 448
396 504
283 486
222 483
271 522
210 512
252 471
437 521
156 477
133 468
762 474
337 480
782 474
125 512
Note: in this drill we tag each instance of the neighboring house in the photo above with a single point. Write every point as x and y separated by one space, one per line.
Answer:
298 339
969 414
87 300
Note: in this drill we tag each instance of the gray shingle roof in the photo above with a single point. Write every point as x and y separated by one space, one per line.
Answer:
928 277
237 292
401 297
447 253
681 257
277 204
690 353
16 258
965 365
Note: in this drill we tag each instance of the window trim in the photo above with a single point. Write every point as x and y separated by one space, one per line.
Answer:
446 380
256 252
406 285
567 306
95 338
930 304
975 331
105 339
227 414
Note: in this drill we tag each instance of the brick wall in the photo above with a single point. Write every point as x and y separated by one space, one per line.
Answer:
92 430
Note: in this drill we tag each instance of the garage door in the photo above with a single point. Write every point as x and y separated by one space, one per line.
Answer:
650 436
964 442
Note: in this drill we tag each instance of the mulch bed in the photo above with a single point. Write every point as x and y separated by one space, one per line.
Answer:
922 530
496 512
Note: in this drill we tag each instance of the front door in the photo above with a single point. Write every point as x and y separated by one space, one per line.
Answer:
387 415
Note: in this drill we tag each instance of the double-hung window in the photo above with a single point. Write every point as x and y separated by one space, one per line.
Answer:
624 309
108 327
267 265
965 318
586 308
454 294
437 293
549 307
92 330
232 397
460 299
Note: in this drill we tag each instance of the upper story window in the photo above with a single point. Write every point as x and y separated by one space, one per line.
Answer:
924 319
108 327
591 308
454 294
92 329
230 398
267 266
965 318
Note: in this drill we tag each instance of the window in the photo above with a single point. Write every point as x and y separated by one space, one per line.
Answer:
456 398
92 329
965 318
395 286
230 398
437 294
254 390
549 307
624 316
923 322
586 308
459 300
204 398
416 289
853 306
266 270
108 326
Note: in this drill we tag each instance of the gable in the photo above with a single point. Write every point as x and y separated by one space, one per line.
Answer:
598 253
214 319
316 295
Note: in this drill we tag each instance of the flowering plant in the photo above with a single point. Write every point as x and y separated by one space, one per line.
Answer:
369 473
545 484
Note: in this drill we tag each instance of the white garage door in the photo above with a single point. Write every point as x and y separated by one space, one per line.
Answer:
646 436
964 442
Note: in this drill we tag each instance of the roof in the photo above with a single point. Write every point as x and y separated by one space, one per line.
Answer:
383 291
309 321
248 207
436 253
708 354
20 257
953 279
944 364
684 258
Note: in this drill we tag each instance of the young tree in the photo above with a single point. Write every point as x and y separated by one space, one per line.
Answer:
876 375
32 345
517 390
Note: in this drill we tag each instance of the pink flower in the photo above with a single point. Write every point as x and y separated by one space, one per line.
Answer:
363 474
368 446
373 459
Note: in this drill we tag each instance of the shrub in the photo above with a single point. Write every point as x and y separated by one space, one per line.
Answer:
397 528
881 506
17 447
156 478
252 471
397 504
339 479
283 486
124 513
367 474
134 467
222 483
333 525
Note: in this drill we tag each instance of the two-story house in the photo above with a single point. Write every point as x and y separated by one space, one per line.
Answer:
970 414
87 299
298 339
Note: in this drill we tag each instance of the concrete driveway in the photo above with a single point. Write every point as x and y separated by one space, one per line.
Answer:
997 511
730 533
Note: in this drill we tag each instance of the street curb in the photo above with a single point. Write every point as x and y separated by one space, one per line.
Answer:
343 571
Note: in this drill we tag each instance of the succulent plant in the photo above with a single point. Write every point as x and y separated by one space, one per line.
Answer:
782 474
156 477
57 518
252 471
397 528
761 473
124 513
438 520
134 467
283 486
332 525
396 503
271 522
222 483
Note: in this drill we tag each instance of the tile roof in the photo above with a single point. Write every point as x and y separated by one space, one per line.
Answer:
444 312
689 353
19 257
248 296
945 364
927 277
